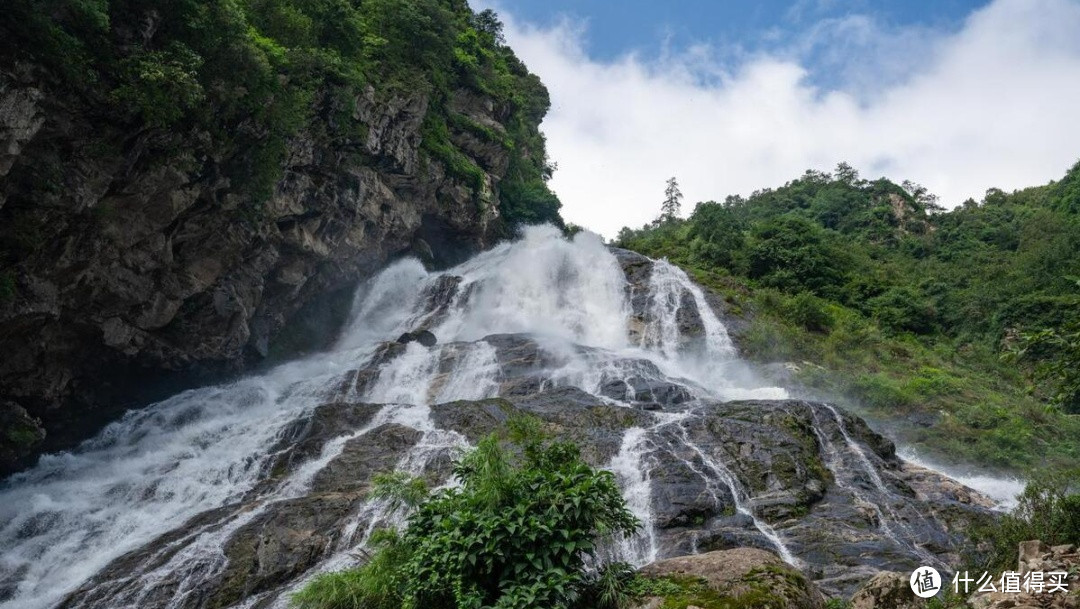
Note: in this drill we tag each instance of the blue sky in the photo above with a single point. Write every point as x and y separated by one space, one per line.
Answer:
731 97
620 26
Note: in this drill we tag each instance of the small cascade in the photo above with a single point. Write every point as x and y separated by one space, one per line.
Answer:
853 446
666 294
878 499
712 470
634 474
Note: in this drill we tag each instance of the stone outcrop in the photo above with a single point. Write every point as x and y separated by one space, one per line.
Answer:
130 268
888 590
1036 556
738 577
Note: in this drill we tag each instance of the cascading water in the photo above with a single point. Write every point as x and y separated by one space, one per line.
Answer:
533 316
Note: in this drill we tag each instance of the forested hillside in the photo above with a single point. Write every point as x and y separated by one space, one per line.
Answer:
253 73
962 326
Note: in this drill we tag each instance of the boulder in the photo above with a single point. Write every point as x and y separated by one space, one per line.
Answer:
740 577
1034 555
888 590
424 337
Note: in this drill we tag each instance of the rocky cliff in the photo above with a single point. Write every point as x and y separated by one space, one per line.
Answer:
139 256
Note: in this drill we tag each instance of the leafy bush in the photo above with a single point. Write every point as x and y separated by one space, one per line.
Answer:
809 311
515 533
903 309
1048 510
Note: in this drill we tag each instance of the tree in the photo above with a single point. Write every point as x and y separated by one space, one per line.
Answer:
487 21
672 205
846 174
794 254
716 235
922 196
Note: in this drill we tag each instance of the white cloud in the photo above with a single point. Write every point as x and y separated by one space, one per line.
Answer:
994 103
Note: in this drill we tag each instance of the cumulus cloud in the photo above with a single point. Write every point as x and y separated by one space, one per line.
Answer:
990 104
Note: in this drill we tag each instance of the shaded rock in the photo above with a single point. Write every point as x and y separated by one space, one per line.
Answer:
424 337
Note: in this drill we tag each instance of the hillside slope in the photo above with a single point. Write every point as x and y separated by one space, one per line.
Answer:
178 180
921 318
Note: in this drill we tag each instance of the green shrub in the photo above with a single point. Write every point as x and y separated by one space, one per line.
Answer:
809 311
1048 510
881 392
903 309
515 534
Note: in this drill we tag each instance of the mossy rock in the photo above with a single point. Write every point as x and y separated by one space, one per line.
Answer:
728 579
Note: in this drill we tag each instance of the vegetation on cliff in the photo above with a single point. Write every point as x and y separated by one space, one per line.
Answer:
961 322
250 73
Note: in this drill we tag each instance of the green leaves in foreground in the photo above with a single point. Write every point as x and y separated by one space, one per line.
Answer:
515 533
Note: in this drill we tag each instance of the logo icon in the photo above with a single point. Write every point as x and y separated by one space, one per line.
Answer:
925 582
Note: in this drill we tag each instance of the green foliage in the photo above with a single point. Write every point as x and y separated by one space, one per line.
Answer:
717 236
809 312
161 85
515 533
1056 352
792 253
377 585
253 73
903 309
891 304
1048 510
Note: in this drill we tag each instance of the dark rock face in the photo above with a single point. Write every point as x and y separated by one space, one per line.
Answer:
138 275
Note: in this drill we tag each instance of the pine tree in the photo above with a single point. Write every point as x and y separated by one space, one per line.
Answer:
669 209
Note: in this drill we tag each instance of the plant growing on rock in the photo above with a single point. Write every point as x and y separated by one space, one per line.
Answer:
516 533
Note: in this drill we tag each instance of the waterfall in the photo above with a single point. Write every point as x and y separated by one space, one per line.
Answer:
632 470
167 486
